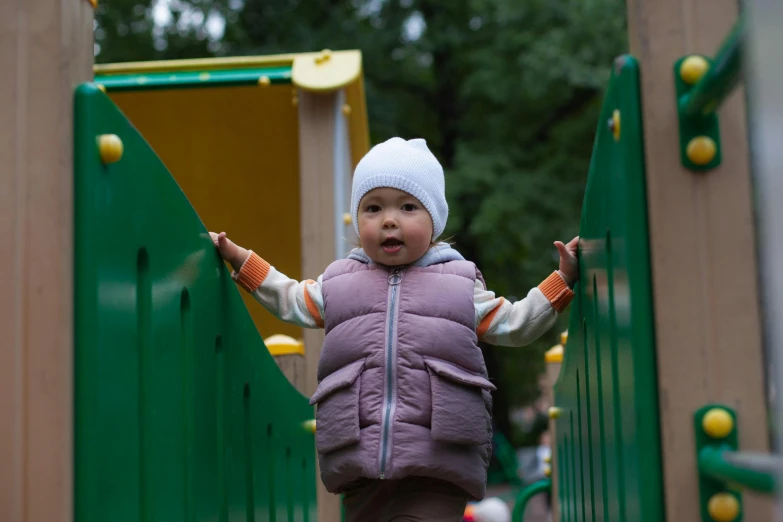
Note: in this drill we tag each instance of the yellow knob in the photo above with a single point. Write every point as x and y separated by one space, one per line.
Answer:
110 147
547 459
548 471
347 219
554 354
284 345
701 150
554 412
309 425
693 68
323 56
723 507
717 423
264 81
616 125
346 110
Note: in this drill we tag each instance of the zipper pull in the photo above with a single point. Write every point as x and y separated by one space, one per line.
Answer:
395 277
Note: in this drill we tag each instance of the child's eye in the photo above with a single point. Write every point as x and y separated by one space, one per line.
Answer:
409 207
372 208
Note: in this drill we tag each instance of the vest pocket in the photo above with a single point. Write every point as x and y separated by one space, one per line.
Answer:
460 413
337 413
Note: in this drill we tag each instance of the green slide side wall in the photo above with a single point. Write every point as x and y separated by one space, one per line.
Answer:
181 413
607 437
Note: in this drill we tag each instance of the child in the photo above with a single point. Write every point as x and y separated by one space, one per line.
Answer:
403 402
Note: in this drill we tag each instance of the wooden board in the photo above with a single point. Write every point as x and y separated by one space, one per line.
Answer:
293 367
702 253
316 159
46 49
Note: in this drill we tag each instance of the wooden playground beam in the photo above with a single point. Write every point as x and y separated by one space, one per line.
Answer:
316 158
702 254
46 49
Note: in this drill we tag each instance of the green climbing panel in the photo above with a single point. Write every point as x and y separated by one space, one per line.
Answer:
181 413
607 442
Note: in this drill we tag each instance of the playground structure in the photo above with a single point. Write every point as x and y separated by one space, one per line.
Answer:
659 407
130 343
263 147
180 409
174 407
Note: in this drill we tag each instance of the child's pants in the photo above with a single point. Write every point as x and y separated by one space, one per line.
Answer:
407 500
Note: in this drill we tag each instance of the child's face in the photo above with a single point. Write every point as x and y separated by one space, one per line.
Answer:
394 227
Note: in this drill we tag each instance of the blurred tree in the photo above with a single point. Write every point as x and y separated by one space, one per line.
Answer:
506 93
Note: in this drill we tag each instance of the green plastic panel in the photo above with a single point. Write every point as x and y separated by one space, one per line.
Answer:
181 413
607 437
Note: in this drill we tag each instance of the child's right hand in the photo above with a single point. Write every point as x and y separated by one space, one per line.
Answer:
234 254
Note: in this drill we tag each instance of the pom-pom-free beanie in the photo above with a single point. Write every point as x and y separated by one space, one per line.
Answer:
408 166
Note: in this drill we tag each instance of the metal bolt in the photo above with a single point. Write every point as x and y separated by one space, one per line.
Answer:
110 148
701 150
717 422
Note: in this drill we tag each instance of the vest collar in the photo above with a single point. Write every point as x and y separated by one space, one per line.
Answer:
440 253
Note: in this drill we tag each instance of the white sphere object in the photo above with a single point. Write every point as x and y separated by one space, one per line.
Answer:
491 509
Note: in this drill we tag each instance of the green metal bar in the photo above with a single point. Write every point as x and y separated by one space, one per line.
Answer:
194 79
525 495
720 79
753 471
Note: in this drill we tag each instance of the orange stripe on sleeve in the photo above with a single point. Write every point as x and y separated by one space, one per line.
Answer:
311 306
557 291
253 272
483 326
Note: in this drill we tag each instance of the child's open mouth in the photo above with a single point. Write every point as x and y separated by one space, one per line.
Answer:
391 245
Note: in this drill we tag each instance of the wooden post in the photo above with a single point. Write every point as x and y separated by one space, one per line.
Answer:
46 49
289 356
316 159
702 253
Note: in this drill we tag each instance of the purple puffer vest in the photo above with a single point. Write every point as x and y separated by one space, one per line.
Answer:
403 388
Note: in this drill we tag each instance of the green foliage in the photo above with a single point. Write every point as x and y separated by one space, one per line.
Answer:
507 94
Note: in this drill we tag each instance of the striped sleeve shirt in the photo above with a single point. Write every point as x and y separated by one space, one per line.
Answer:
498 321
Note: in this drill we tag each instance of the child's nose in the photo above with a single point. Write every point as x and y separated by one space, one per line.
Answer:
389 222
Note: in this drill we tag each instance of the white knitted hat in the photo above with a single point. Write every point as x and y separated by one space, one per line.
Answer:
408 166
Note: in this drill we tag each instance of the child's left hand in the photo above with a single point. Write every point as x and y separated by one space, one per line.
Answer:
569 263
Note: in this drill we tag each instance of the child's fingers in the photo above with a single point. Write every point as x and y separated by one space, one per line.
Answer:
562 249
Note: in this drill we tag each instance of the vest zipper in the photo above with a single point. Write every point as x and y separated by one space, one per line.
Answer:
390 388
